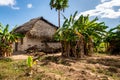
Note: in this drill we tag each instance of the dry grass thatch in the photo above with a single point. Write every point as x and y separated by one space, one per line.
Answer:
38 28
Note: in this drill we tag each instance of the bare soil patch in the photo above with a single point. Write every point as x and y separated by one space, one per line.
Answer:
97 67
19 57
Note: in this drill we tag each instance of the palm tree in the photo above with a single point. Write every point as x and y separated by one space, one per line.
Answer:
6 39
59 5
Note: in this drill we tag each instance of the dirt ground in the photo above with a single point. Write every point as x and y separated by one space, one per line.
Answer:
19 56
96 67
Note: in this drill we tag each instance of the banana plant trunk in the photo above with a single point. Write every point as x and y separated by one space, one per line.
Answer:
65 48
90 47
81 47
73 48
6 51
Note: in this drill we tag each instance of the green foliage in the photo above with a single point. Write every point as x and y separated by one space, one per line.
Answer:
58 4
113 39
113 34
89 27
101 47
82 25
6 60
67 31
30 61
30 64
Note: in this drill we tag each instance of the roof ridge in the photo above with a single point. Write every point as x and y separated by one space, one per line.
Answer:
44 20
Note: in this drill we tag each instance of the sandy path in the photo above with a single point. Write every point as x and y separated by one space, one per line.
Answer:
19 57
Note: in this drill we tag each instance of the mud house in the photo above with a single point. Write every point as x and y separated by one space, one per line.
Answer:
39 33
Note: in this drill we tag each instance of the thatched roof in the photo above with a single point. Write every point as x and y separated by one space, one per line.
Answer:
30 24
38 28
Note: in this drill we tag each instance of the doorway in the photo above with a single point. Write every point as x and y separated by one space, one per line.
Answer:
16 46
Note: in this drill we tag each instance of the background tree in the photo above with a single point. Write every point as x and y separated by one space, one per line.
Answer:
59 5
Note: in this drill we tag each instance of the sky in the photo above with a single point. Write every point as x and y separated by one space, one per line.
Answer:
17 12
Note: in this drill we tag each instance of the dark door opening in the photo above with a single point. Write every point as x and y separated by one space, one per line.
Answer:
16 46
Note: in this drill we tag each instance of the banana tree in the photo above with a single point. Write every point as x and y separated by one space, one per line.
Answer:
77 35
112 40
91 30
6 39
70 38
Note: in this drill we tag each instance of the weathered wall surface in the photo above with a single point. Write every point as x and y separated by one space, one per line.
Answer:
29 42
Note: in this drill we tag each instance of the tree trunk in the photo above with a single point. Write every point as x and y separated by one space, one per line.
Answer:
68 49
106 46
85 48
62 47
59 18
73 49
63 43
6 52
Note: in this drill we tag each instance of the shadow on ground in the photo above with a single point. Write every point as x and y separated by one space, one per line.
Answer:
111 66
57 60
106 61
